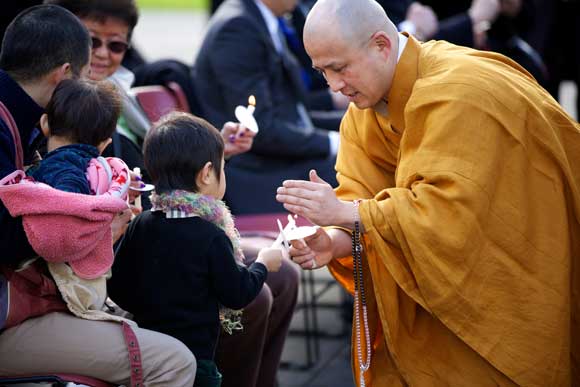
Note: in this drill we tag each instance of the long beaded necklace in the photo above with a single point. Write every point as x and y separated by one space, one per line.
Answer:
359 290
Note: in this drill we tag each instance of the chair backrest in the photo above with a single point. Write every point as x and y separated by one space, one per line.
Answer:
156 101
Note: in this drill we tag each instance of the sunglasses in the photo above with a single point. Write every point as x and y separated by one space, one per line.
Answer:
114 46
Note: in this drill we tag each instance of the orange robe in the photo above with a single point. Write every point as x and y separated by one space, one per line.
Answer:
472 241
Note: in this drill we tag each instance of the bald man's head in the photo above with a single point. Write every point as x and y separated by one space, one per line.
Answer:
354 44
354 21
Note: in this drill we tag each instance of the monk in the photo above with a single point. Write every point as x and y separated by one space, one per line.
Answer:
460 177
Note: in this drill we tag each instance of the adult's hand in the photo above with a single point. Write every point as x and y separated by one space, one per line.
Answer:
314 251
120 224
484 11
237 138
424 19
316 201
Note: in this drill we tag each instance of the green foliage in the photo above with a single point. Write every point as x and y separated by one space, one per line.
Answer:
174 4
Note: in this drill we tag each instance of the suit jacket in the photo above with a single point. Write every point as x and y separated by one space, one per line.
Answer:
238 59
454 26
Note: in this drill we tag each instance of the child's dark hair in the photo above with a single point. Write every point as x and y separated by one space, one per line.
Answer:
83 111
177 148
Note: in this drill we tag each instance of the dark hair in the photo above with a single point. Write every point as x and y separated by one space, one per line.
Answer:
40 39
177 148
100 10
83 111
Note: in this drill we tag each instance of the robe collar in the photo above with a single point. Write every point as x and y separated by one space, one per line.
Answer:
402 86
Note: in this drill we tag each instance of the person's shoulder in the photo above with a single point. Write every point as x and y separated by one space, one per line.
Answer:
234 16
441 62
210 229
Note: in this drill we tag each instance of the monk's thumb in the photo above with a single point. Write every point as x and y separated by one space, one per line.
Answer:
315 178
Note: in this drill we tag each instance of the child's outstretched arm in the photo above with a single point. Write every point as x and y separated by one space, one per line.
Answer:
235 286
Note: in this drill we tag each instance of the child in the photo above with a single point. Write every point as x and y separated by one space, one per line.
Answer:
181 261
79 121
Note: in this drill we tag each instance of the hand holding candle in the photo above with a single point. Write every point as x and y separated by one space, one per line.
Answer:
245 115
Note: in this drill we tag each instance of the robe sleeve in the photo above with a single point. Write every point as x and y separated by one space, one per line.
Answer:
358 176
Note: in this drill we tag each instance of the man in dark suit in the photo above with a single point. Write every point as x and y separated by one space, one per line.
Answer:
244 53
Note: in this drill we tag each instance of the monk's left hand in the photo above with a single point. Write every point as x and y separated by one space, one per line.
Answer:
316 201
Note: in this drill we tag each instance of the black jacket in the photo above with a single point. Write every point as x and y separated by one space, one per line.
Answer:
172 275
26 113
238 59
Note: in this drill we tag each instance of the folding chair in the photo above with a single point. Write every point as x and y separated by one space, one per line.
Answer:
156 101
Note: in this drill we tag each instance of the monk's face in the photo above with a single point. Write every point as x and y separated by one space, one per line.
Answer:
362 71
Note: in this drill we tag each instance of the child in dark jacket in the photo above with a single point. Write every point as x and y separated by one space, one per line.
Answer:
179 267
79 121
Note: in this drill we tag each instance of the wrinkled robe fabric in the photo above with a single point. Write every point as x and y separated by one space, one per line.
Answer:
471 183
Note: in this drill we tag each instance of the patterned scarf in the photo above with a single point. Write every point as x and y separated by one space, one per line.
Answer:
216 212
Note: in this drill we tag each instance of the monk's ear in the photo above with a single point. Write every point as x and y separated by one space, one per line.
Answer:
382 41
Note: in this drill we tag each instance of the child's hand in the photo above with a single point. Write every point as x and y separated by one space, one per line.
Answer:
271 257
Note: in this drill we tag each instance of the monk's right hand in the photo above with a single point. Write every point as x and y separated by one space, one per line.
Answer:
312 252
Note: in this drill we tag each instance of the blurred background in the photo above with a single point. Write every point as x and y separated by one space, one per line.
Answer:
175 29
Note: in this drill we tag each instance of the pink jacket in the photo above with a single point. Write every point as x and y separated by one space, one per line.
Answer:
66 227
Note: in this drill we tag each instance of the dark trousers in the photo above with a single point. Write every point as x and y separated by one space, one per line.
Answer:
250 358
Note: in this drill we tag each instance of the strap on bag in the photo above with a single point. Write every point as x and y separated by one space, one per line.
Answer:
7 118
134 355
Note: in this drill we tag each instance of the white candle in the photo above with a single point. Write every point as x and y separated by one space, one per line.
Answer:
137 171
245 115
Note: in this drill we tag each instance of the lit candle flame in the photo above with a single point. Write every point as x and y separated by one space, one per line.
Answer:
252 100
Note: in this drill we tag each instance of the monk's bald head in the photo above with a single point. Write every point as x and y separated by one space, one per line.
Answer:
354 45
353 21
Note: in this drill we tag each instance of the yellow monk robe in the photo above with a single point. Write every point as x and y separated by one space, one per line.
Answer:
472 241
